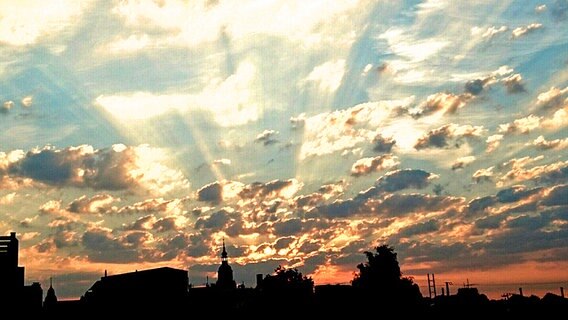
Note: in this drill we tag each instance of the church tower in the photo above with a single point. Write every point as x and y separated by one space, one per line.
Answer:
50 301
225 272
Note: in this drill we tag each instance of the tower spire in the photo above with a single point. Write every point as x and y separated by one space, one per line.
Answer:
224 254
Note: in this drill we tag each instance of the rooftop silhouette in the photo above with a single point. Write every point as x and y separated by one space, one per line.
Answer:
378 283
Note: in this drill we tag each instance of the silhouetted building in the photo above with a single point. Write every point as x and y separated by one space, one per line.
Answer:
50 301
225 272
156 288
11 276
13 293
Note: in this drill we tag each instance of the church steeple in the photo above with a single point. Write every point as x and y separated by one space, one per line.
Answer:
50 299
224 255
225 272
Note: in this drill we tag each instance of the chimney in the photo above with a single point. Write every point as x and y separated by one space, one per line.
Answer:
259 280
562 292
13 235
521 292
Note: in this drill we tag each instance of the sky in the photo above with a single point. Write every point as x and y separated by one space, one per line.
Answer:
138 134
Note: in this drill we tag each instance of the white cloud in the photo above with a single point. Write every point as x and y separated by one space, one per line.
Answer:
195 22
543 144
231 101
411 53
493 142
366 166
540 8
488 33
522 125
463 162
24 22
521 31
553 98
327 76
340 130
7 198
27 101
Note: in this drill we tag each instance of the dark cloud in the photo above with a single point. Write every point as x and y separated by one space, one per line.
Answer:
101 246
474 86
283 243
383 144
516 193
165 224
116 168
404 179
402 204
490 222
481 204
217 221
419 228
441 137
514 83
212 192
557 196
272 188
287 227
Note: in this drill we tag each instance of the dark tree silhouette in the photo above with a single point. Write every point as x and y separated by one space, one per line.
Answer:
287 279
381 277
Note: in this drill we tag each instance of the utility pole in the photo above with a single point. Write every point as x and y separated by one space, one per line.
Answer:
448 287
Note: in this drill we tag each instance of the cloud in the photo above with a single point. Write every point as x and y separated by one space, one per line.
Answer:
96 204
493 142
463 162
366 166
547 173
219 191
522 125
195 23
172 206
216 221
272 189
267 137
398 180
524 30
444 103
556 196
419 229
327 76
553 98
559 119
117 168
439 138
543 144
488 33
482 175
383 144
6 106
222 162
514 83
7 198
288 227
27 22
397 205
230 101
540 8
340 130
102 246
